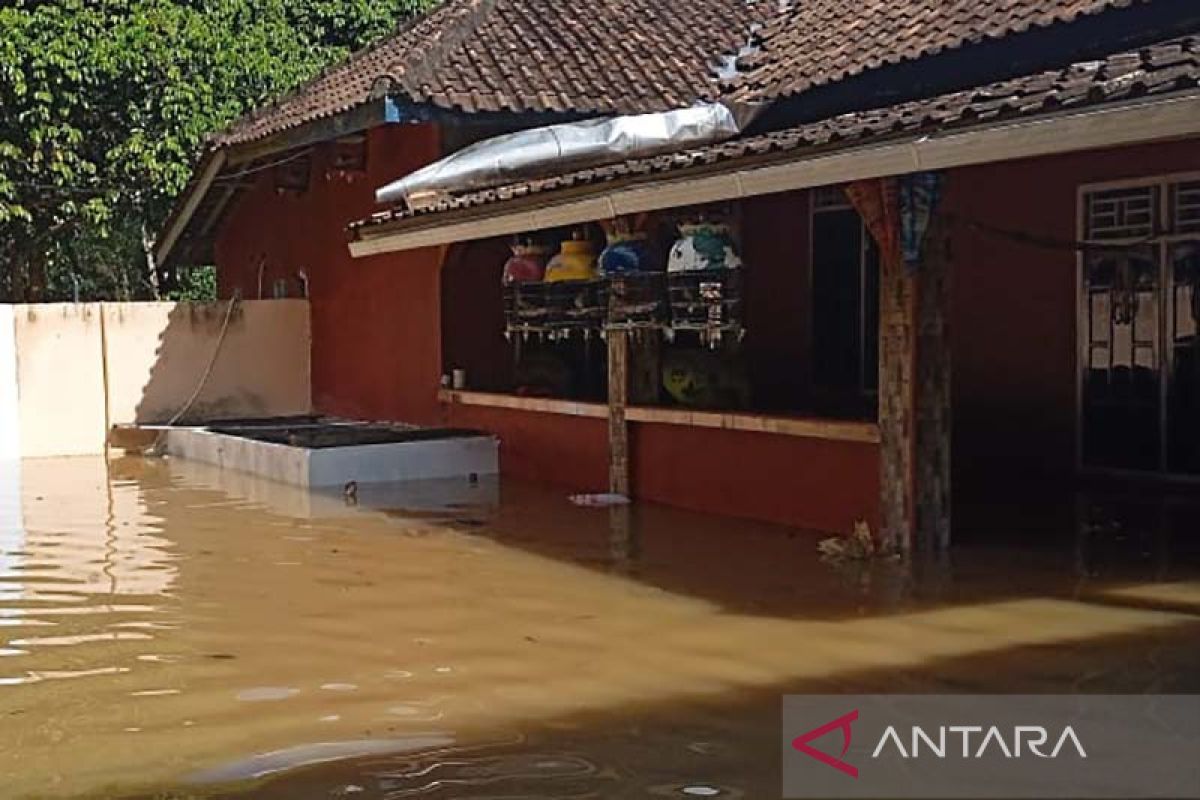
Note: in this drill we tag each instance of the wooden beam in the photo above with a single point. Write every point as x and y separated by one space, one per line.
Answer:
218 209
360 118
618 399
177 225
832 430
136 438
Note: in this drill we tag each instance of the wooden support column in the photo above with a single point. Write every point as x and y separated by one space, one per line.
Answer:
897 400
618 399
914 399
933 505
645 367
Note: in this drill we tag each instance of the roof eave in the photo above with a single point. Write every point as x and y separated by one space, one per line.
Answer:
223 156
1150 119
209 166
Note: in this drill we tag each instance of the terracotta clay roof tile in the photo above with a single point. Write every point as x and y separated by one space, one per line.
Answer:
1169 66
602 56
823 41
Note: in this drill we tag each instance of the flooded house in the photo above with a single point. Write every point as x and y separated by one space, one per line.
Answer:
967 249
913 272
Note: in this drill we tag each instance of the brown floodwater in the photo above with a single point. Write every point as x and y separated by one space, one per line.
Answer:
168 630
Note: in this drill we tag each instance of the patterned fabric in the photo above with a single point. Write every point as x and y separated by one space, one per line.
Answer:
877 202
919 194
897 213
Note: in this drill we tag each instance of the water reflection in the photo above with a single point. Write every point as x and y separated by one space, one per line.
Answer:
163 625
12 529
82 573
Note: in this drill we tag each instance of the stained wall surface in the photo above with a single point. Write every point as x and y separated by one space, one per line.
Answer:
70 371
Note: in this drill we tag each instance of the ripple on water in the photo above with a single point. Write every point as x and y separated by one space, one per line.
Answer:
82 638
698 790
258 634
264 764
266 694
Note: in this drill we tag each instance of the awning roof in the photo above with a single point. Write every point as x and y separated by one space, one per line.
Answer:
1128 97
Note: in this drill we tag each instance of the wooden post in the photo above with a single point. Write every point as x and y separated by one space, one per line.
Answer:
933 505
914 399
618 398
897 373
645 367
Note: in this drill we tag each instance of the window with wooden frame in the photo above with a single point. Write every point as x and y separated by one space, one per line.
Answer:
845 303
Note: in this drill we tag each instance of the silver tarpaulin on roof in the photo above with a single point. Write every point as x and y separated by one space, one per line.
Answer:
542 152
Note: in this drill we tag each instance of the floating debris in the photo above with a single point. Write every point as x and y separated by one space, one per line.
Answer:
599 500
858 546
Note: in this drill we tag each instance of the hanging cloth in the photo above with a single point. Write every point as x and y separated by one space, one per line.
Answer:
877 201
897 213
919 195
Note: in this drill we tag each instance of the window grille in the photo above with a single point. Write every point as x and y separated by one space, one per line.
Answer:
1185 207
829 198
1122 213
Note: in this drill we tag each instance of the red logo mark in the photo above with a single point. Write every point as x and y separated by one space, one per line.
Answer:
843 723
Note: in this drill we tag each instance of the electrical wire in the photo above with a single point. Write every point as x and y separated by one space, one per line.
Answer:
1051 243
212 362
261 167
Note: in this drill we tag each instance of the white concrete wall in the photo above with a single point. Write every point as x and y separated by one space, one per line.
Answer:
404 461
158 351
60 379
68 372
334 467
10 422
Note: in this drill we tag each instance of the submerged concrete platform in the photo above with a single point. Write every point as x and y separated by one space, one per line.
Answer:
315 453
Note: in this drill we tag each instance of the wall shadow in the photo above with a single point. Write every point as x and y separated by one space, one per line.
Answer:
158 354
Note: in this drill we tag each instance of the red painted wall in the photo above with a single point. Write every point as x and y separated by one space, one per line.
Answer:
375 321
776 246
473 314
377 337
570 452
803 482
1013 312
810 483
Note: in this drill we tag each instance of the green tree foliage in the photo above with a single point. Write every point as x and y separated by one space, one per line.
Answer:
104 105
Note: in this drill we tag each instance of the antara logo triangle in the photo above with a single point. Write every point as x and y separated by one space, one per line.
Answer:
842 723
